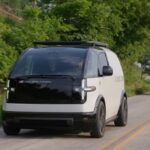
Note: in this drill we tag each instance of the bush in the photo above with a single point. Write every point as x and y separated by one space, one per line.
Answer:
134 83
7 57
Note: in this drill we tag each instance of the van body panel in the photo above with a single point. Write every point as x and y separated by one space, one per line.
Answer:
116 81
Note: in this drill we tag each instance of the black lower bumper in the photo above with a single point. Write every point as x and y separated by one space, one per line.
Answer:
50 120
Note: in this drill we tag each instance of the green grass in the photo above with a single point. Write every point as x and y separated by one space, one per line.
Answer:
1 100
0 107
134 84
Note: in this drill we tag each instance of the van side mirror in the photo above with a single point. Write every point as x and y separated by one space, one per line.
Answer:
107 71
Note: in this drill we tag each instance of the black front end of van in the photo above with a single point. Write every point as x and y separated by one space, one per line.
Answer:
58 90
46 76
45 120
45 90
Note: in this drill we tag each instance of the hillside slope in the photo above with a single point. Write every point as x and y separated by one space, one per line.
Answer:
7 12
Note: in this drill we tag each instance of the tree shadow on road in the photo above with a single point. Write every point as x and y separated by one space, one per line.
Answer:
148 94
48 134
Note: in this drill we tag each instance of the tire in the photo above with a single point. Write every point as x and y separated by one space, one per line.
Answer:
11 128
98 127
122 117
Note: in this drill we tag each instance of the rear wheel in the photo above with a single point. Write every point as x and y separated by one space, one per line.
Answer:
11 128
98 127
122 116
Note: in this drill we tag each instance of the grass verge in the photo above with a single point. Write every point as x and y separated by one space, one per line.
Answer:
1 100
134 84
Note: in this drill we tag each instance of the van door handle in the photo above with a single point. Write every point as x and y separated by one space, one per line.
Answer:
89 89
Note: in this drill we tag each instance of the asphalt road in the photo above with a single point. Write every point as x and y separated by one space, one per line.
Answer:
135 136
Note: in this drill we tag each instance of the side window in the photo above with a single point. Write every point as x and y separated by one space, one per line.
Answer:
102 61
91 69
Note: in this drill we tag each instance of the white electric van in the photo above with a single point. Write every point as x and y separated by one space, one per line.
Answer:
73 85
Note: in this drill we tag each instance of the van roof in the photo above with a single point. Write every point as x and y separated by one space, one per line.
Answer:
84 44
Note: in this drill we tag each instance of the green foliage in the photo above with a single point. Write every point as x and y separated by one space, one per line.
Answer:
134 83
89 21
124 25
1 101
30 13
7 54
34 28
113 21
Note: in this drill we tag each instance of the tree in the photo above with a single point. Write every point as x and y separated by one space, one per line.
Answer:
113 21
7 53
33 28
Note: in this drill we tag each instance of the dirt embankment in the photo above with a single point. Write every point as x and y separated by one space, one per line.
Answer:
7 12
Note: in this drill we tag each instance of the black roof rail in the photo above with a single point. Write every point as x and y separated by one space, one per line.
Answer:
71 43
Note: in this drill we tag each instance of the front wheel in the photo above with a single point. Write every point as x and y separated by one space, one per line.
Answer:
98 127
11 128
122 116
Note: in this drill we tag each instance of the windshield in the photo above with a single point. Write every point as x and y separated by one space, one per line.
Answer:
50 61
